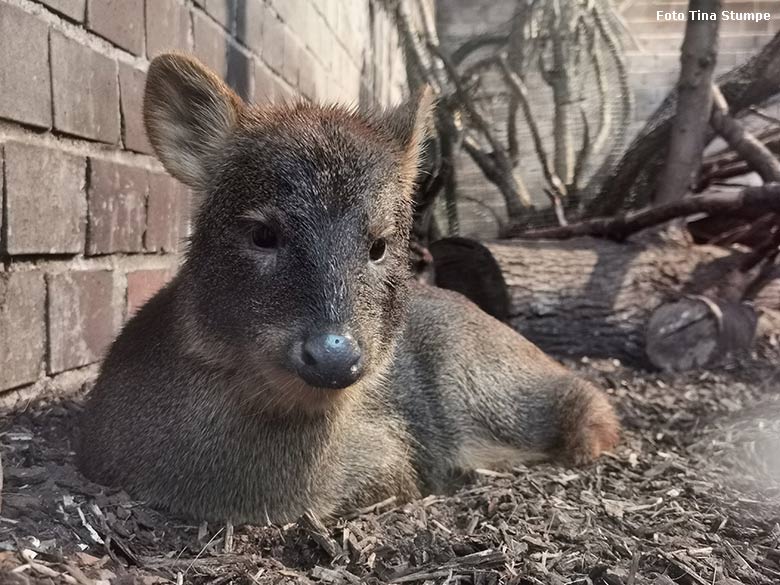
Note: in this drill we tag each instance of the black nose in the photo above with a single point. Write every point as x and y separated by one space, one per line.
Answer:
329 360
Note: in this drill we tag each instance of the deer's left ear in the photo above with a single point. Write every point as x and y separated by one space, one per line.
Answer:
410 123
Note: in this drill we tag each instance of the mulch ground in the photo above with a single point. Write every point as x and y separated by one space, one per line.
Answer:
691 496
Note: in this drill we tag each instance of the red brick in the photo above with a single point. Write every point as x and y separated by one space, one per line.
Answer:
168 211
167 26
131 92
119 21
142 285
44 216
249 23
72 9
117 207
86 91
22 327
24 68
210 43
83 318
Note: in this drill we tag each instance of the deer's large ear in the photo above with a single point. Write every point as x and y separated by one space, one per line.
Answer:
411 122
188 114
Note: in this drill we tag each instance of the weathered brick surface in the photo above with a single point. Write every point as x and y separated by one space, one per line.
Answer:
239 71
293 54
273 41
249 23
117 207
142 285
167 27
131 91
119 21
22 327
266 85
210 43
86 90
167 211
83 317
72 9
223 11
25 89
45 201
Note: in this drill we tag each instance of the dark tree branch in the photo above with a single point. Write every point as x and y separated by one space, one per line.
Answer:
519 90
747 146
765 198
694 103
749 84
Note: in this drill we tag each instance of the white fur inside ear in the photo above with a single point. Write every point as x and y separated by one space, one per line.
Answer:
189 113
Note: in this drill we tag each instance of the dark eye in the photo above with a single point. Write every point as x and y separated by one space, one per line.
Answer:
378 250
264 236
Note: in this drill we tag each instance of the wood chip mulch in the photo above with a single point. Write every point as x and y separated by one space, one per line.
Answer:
691 496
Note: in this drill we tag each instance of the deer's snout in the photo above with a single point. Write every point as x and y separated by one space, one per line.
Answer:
328 360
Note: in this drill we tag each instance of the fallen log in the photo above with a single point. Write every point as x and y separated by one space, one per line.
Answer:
699 332
585 296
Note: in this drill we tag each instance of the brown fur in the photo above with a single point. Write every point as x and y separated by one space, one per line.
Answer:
202 406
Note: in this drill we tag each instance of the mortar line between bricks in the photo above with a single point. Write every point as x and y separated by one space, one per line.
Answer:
88 219
15 132
232 39
4 211
79 33
70 383
46 327
118 261
51 77
145 50
147 196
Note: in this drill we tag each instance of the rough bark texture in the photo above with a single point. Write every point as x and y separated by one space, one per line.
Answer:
698 332
633 181
694 102
593 297
748 147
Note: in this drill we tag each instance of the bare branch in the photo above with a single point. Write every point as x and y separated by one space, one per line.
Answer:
519 90
583 155
473 44
465 100
517 201
602 86
765 198
694 104
560 214
764 116
752 151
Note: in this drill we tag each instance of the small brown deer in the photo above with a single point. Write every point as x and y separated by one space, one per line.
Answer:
293 363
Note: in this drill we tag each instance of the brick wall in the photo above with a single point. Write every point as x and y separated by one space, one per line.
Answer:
91 225
653 61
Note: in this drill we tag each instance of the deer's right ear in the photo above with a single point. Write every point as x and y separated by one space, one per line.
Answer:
188 114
